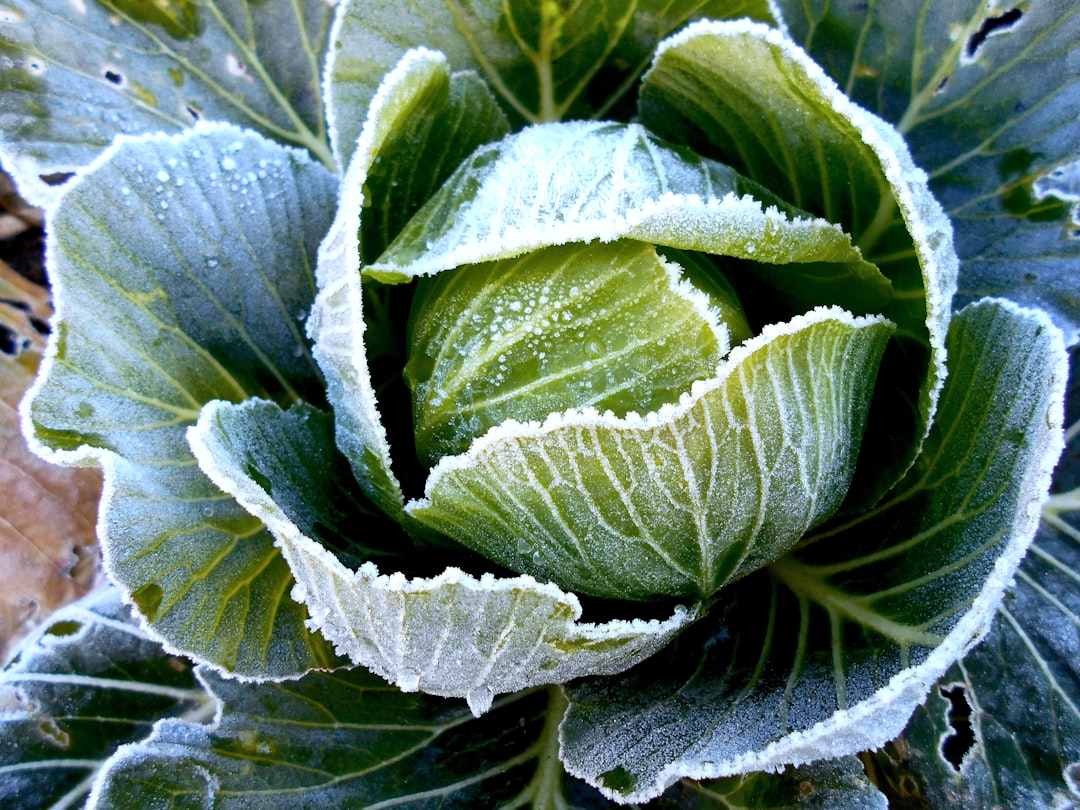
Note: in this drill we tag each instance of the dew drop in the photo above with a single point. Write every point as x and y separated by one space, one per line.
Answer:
595 348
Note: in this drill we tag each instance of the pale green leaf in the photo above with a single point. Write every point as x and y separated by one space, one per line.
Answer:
76 74
546 61
86 682
685 499
579 181
829 651
746 95
451 634
419 90
986 96
182 268
610 326
1020 688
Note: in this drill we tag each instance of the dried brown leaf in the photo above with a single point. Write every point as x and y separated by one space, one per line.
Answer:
48 551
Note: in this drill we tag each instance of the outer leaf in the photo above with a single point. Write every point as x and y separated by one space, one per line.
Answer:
927 66
830 651
84 684
182 267
344 739
143 67
546 61
830 785
578 182
1022 685
451 635
416 109
683 500
746 95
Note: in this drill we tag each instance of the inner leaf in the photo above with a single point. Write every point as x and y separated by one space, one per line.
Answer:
683 500
569 326
558 183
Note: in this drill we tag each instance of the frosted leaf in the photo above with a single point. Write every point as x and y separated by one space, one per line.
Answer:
156 317
452 634
418 89
76 75
86 681
745 94
593 72
344 739
579 182
828 651
684 499
571 326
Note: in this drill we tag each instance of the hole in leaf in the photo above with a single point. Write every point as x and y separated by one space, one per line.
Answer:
957 744
10 343
192 112
113 77
991 26
942 84
56 179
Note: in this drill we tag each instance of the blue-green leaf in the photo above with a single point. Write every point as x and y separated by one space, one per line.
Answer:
88 681
985 93
183 267
346 739
1003 726
76 74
